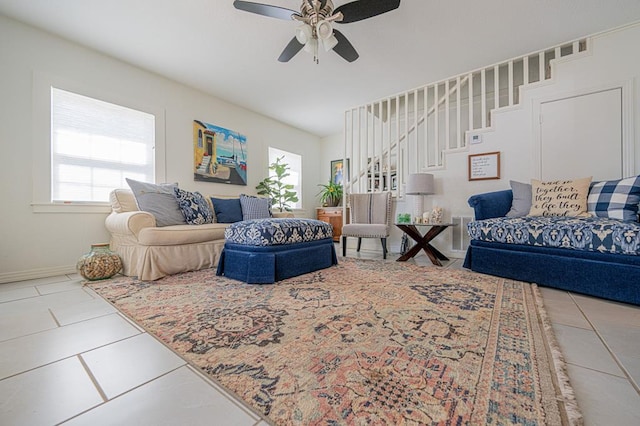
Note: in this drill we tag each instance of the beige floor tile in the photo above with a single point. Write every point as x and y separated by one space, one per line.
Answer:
605 311
42 348
14 325
124 365
631 364
82 311
565 311
53 300
47 395
59 286
15 285
549 293
584 348
605 399
624 341
18 294
178 398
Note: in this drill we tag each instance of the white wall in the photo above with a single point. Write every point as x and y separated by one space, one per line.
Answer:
611 61
40 244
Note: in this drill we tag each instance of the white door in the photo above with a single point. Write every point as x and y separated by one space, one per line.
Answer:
582 136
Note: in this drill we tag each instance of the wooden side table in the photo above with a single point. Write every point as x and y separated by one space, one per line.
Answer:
333 216
422 241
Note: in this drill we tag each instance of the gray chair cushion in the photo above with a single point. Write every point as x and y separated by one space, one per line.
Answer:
365 230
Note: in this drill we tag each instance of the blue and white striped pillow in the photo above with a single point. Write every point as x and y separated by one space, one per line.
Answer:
615 199
255 207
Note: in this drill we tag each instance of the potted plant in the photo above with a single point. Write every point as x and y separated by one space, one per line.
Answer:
274 188
331 194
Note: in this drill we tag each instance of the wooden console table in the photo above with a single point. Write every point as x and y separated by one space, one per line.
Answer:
422 241
333 216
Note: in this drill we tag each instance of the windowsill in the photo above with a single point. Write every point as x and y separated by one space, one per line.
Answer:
92 208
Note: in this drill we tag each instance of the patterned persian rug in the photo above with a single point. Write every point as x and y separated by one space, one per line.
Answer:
364 342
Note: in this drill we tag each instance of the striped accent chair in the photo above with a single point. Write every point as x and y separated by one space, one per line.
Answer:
370 218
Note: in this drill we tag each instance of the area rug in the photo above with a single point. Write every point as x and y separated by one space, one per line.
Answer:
364 342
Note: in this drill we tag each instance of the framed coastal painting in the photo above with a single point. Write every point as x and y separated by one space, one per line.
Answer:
219 154
339 171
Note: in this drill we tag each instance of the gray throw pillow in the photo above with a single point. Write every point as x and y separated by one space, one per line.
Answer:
521 203
159 200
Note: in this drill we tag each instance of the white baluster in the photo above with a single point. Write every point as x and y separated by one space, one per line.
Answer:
510 83
483 98
458 110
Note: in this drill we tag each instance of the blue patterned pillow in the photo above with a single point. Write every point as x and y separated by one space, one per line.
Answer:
228 210
255 207
615 199
194 207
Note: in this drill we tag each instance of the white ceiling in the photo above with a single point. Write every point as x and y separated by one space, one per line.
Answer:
209 45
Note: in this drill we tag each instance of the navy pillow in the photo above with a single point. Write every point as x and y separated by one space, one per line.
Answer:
227 210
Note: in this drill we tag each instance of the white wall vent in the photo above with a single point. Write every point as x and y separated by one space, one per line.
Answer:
459 234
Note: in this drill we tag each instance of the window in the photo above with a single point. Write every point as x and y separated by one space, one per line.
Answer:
95 145
295 171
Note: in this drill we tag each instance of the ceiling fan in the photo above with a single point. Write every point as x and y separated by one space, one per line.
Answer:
317 18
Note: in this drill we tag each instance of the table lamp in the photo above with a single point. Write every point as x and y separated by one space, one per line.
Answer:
419 184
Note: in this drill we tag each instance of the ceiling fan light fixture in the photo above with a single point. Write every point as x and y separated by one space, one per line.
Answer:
304 33
324 29
329 43
311 46
317 18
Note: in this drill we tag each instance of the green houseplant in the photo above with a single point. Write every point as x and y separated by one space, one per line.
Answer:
280 193
331 194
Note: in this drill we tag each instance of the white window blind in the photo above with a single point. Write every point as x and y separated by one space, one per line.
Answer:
295 172
95 145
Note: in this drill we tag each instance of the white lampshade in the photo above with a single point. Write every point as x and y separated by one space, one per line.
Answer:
324 30
304 33
311 46
329 43
420 184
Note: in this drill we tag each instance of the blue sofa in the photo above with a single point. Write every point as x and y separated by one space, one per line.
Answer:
575 261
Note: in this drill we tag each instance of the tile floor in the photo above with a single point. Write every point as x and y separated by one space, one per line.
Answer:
68 357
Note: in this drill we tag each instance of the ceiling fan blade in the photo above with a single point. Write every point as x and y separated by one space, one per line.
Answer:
344 48
363 9
291 50
265 10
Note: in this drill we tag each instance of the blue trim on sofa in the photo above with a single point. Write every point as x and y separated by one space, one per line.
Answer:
609 276
268 264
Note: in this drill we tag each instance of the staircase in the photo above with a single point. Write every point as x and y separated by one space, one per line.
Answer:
203 168
413 131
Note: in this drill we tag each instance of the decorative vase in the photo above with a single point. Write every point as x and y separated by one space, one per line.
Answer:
333 202
100 263
436 215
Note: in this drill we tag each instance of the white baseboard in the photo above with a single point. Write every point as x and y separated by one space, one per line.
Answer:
32 274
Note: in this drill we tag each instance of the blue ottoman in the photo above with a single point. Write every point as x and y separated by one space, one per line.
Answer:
263 251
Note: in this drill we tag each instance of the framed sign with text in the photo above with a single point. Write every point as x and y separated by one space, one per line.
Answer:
484 166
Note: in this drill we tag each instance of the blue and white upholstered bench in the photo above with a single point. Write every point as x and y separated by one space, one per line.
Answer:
263 251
